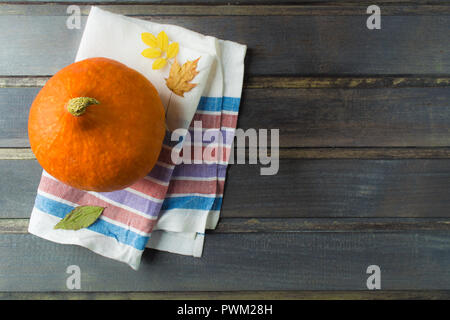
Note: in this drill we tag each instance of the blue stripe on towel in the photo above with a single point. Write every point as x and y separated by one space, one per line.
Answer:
210 104
122 235
219 104
192 202
231 104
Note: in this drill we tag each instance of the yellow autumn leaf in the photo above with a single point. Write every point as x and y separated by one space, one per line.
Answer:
151 53
159 63
162 41
173 50
149 39
180 77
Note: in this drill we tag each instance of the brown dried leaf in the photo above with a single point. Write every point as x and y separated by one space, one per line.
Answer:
179 77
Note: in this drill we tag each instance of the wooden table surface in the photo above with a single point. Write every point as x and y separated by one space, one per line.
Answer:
364 179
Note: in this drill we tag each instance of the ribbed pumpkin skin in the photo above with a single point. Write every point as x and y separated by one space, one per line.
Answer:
111 145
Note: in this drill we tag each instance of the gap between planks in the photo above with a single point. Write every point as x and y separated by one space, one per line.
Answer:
59 9
363 153
233 295
299 82
278 225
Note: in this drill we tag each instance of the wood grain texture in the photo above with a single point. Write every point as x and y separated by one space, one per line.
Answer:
14 226
218 9
23 81
14 108
264 82
16 154
356 153
272 225
345 99
19 183
234 2
340 188
302 188
351 118
234 295
278 261
274 9
363 82
258 225
382 117
301 153
328 44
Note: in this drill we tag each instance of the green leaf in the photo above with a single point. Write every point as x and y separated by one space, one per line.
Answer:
80 217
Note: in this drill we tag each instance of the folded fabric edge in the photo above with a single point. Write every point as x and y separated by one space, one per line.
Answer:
41 225
175 237
185 243
169 224
233 56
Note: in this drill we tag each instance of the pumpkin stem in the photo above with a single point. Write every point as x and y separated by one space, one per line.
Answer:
77 106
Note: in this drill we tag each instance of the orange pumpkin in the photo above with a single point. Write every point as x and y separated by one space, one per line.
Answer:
97 125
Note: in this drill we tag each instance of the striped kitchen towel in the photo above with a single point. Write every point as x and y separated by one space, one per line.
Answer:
194 198
131 215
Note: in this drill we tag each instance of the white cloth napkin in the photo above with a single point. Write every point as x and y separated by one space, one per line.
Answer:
170 222
118 37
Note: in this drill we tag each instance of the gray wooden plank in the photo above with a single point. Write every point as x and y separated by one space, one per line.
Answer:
301 188
346 117
308 45
54 46
340 188
278 261
235 295
380 117
230 2
18 183
14 107
278 9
